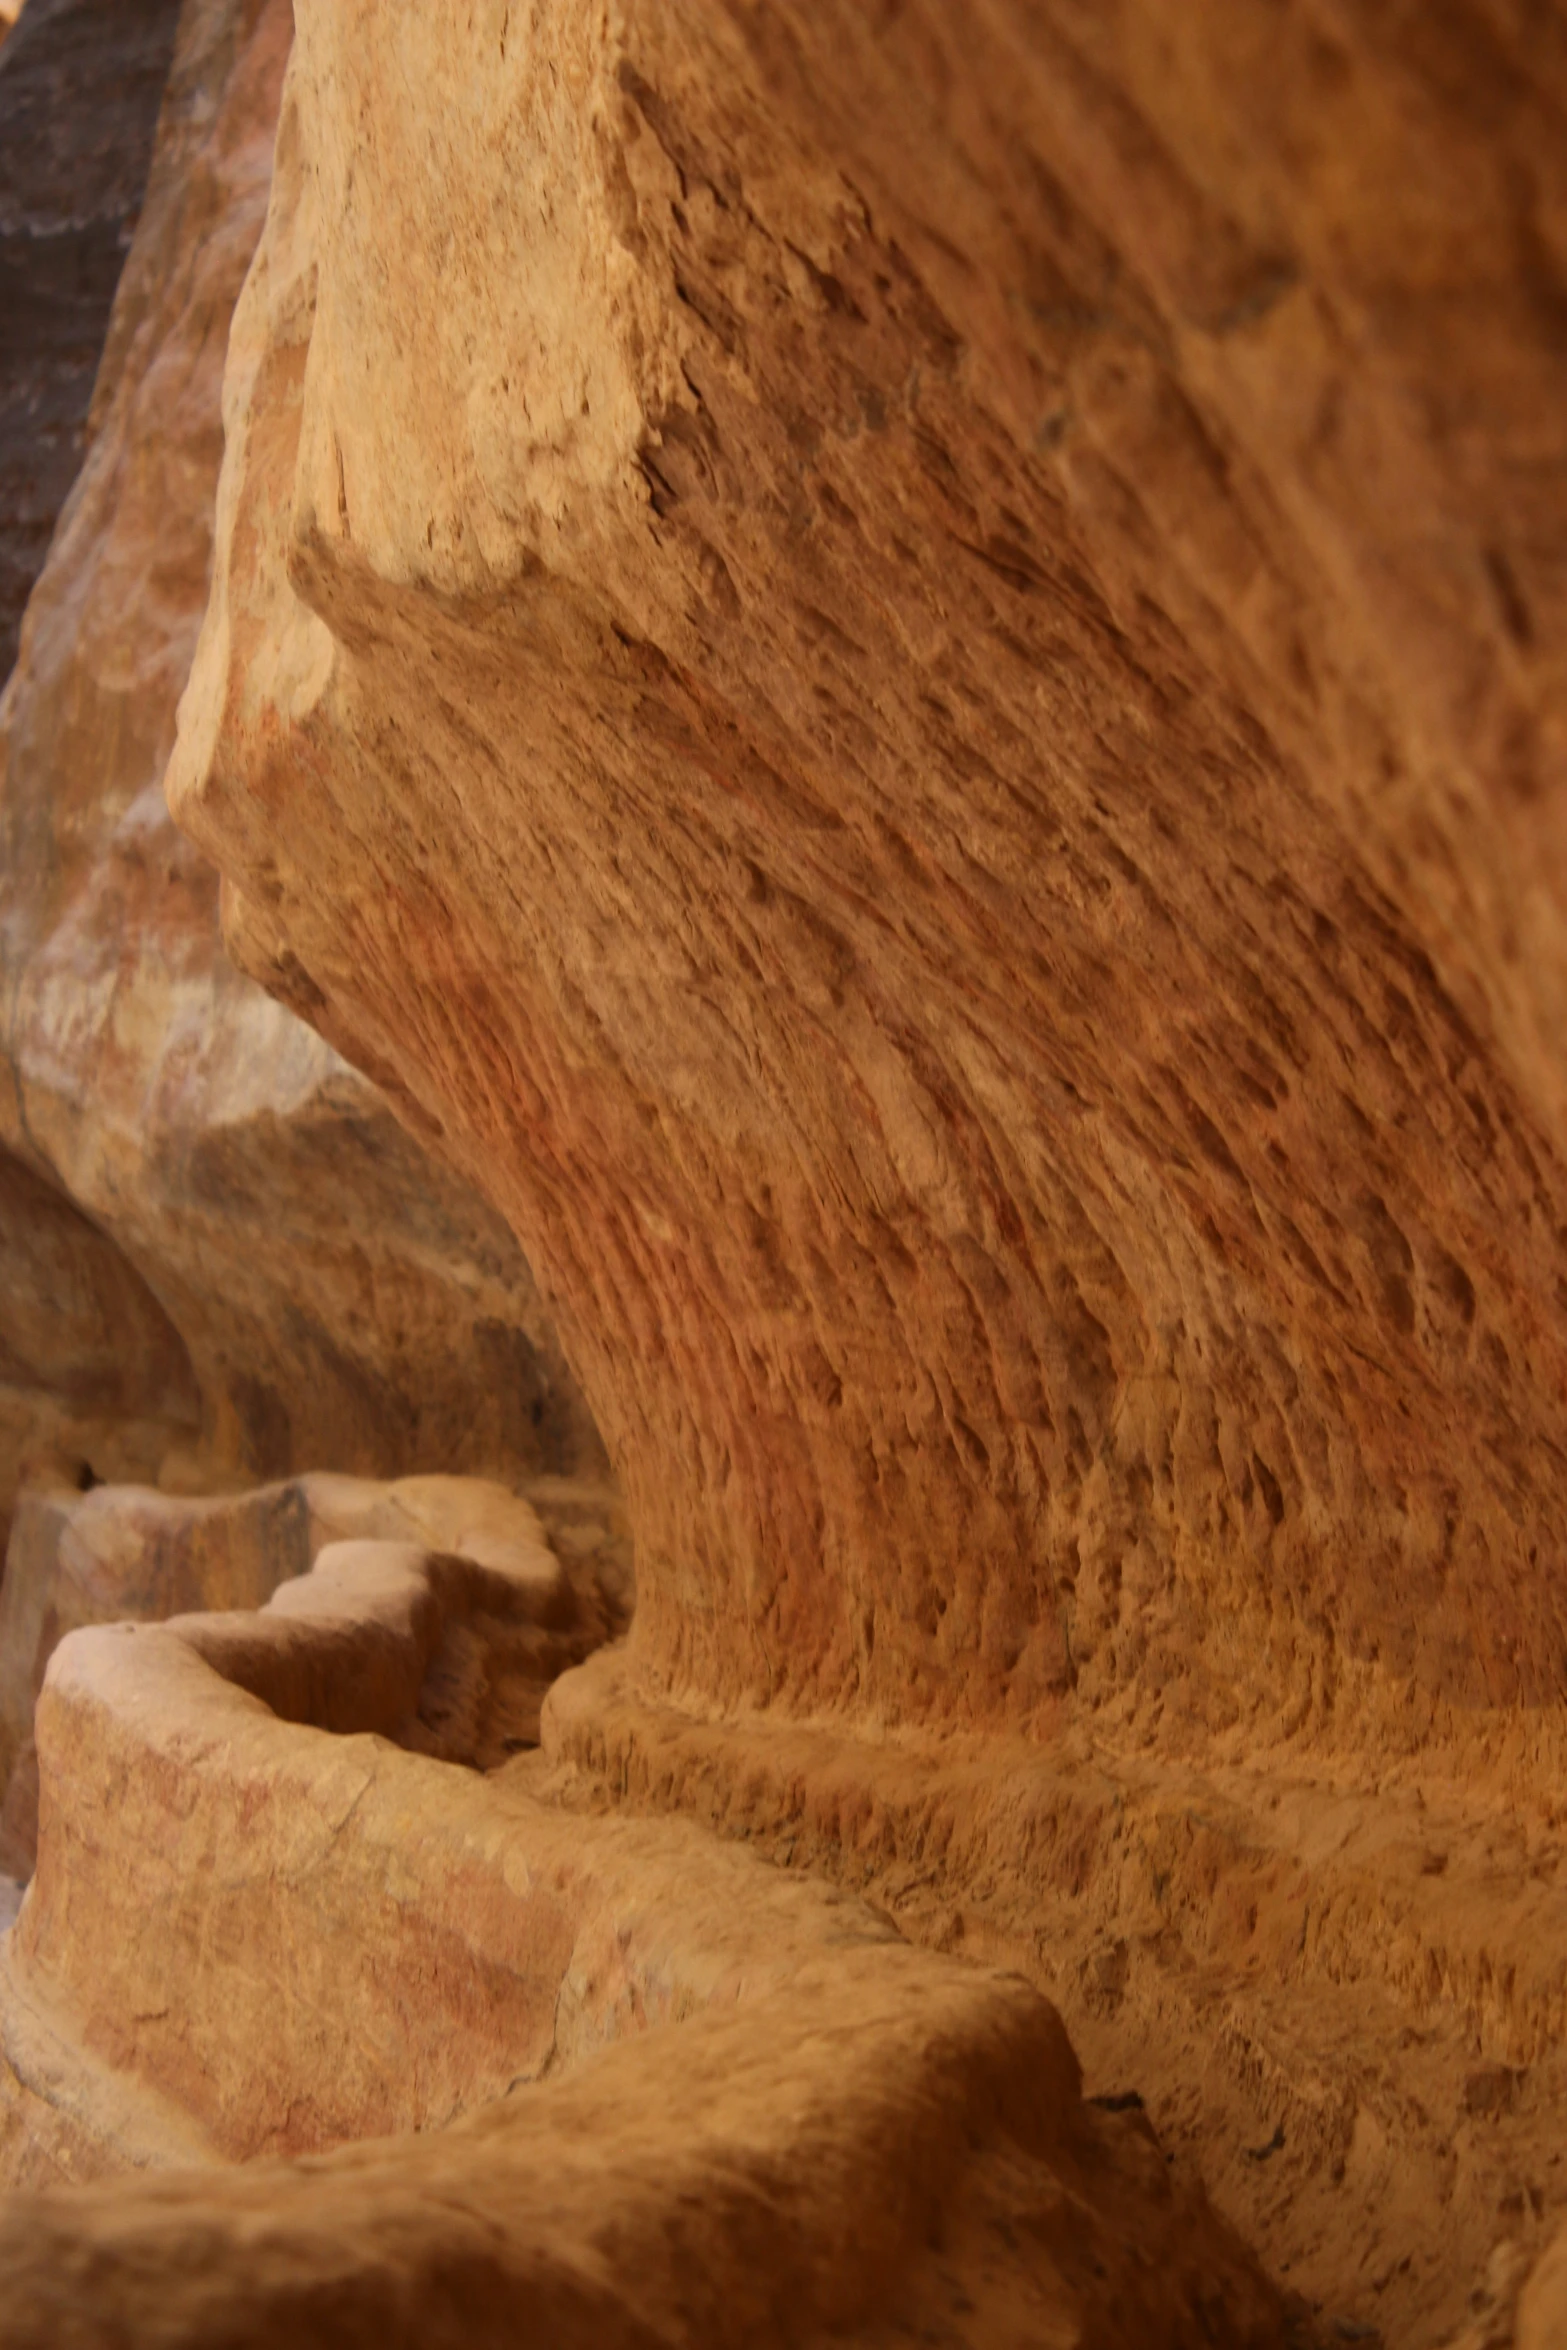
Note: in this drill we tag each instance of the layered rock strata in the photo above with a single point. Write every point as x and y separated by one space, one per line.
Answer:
1343 2002
224 1259
909 683
901 676
906 680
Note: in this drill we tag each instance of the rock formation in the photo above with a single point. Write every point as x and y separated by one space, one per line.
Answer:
899 675
909 687
120 1554
298 1934
222 1255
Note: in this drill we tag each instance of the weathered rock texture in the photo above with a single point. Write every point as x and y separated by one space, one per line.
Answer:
221 1254
901 673
754 2112
122 1553
905 677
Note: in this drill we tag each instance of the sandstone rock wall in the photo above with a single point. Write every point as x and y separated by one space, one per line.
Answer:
222 1256
900 673
906 678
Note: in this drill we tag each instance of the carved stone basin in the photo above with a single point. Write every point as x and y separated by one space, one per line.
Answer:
279 1911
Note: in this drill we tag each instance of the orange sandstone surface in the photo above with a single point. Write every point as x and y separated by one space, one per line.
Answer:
897 675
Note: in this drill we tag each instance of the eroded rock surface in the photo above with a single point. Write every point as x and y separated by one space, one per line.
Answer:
900 674
122 1553
944 641
714 2102
948 669
222 1256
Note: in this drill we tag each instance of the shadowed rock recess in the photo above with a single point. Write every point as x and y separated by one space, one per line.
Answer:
898 672
222 1257
78 101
